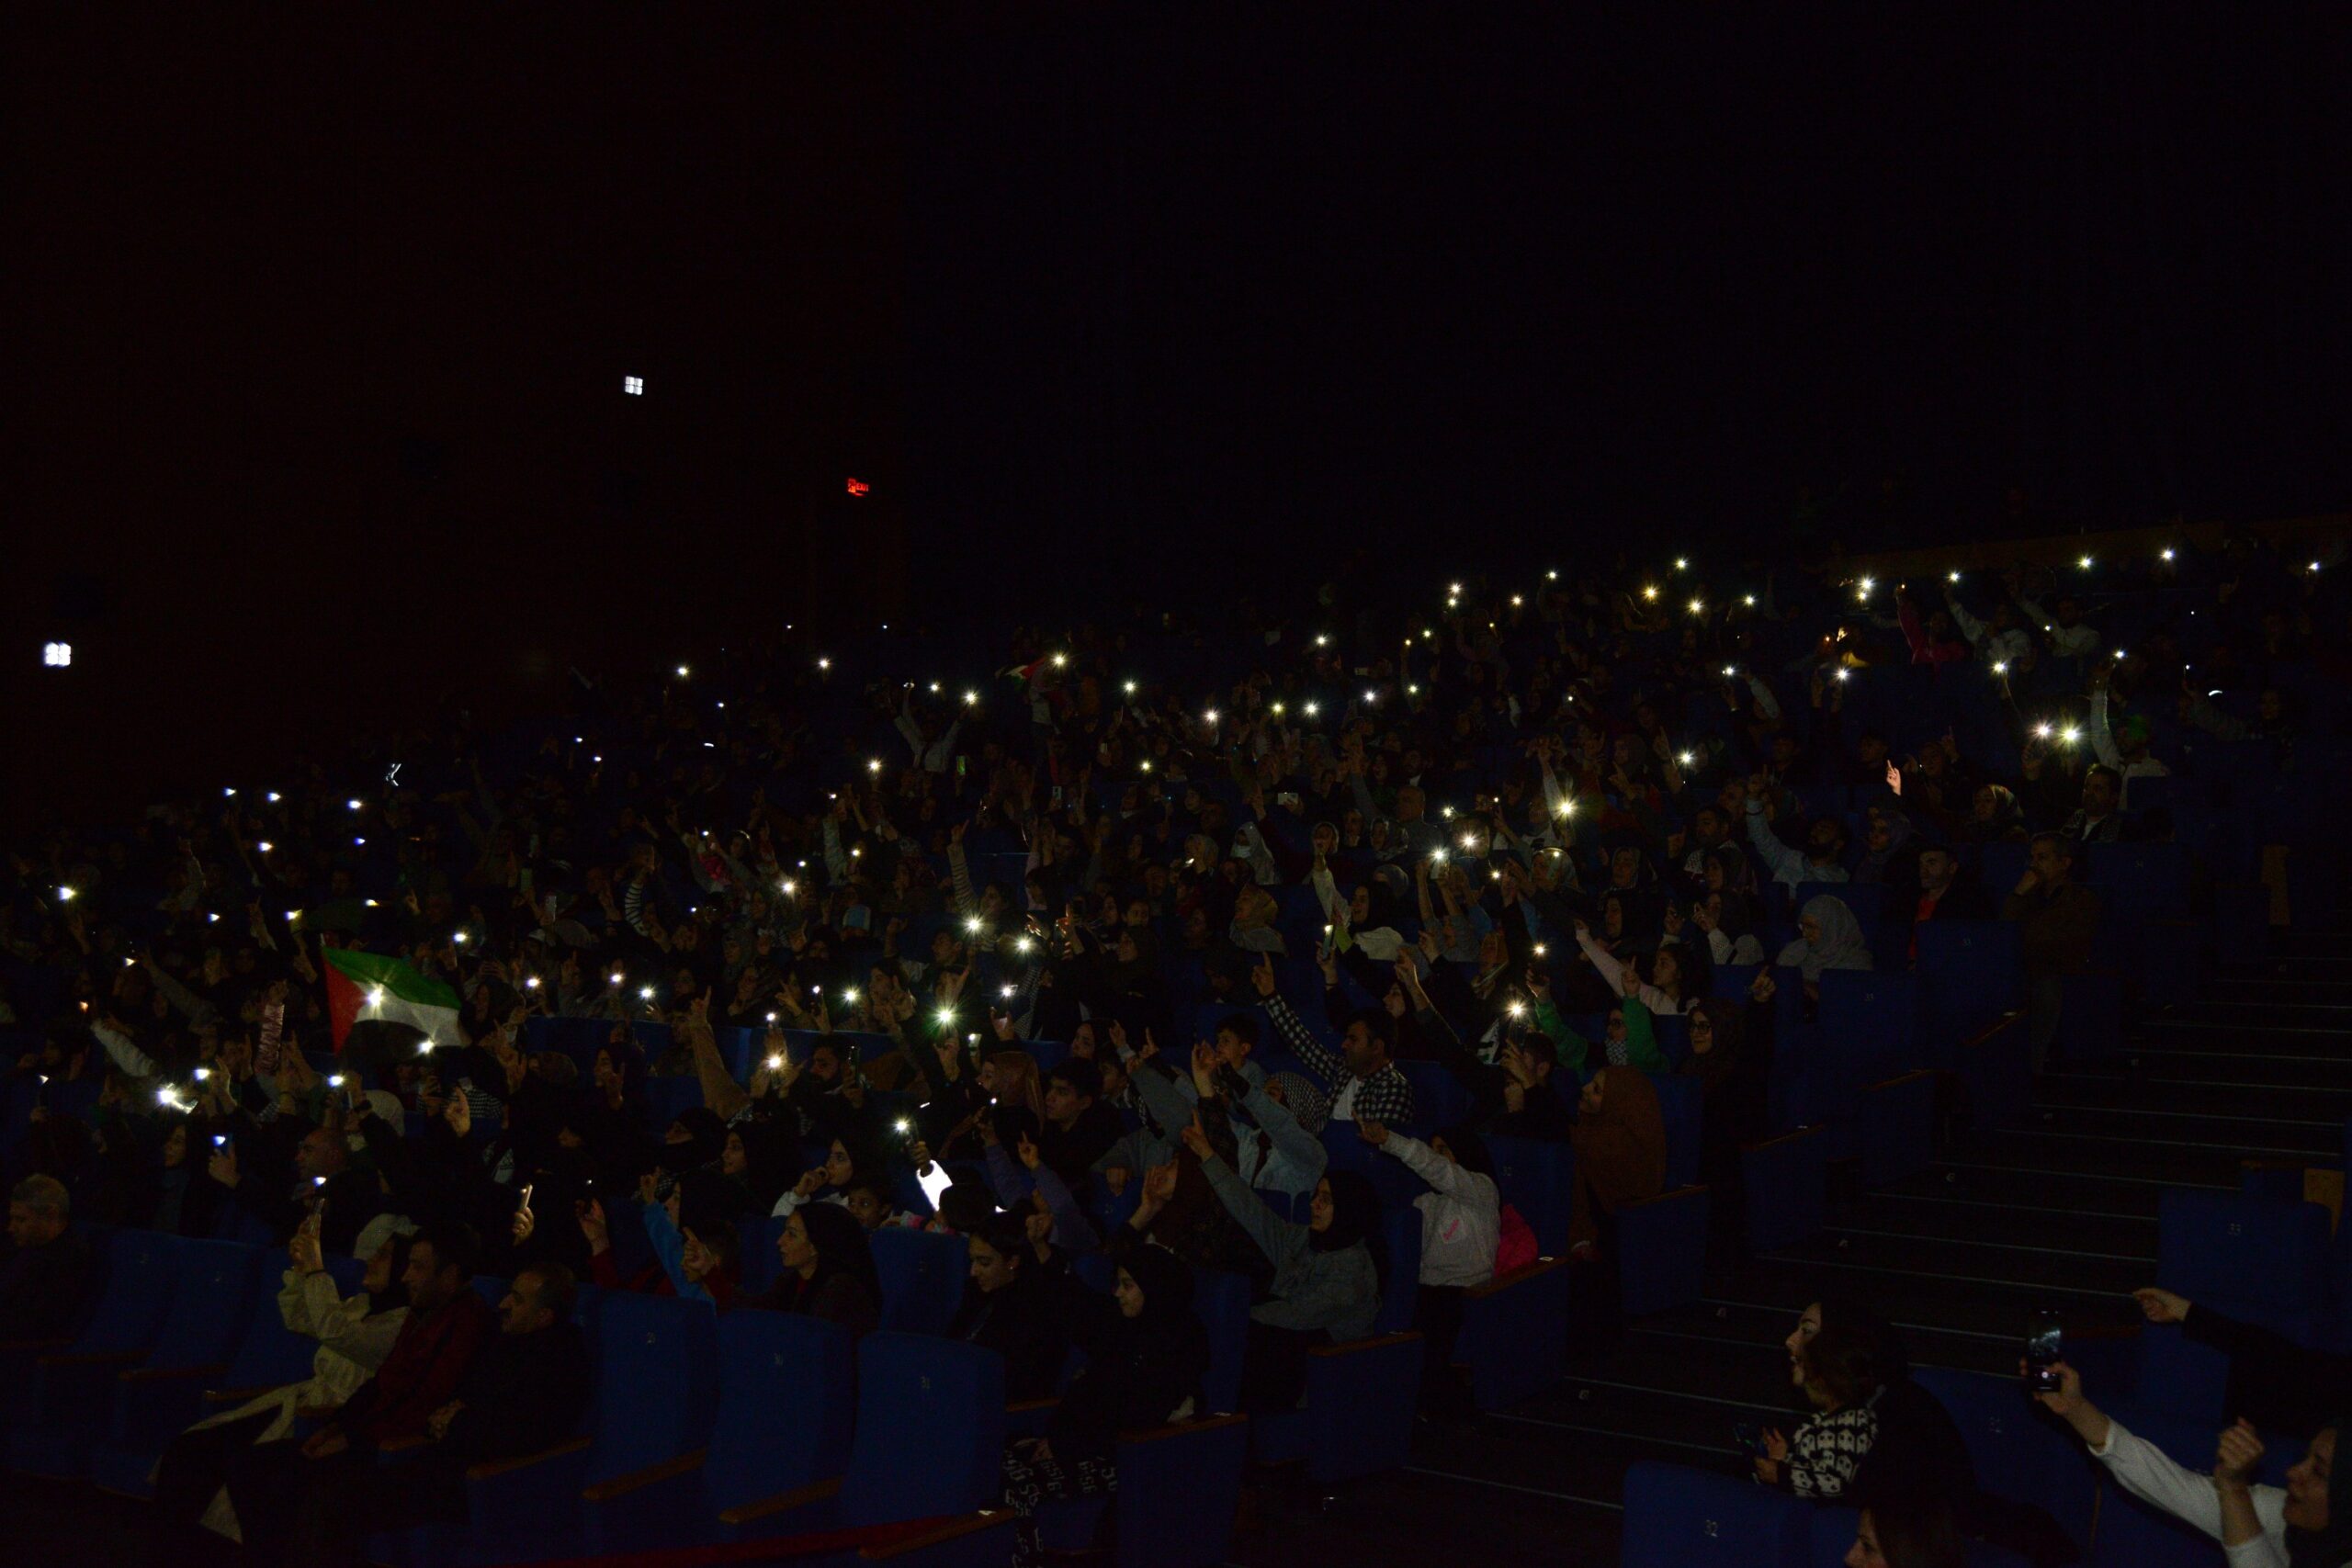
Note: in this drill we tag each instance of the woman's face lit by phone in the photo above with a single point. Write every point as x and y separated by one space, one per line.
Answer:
1808 1325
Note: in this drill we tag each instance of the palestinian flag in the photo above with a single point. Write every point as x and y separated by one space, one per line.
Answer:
367 986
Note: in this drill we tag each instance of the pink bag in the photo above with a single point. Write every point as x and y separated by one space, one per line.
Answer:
1516 1247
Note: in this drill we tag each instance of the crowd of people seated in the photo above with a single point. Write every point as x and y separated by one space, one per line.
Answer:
1142 950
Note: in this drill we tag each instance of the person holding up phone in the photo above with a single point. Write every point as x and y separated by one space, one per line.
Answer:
2308 1520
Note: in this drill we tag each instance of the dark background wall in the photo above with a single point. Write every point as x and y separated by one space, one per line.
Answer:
314 376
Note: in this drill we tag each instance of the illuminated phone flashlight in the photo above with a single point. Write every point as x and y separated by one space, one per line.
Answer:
1005 991
1468 840
1845 674
1061 660
201 1074
1437 856
2084 564
1322 639
1649 591
1146 764
273 797
457 938
2070 735
1371 697
65 895
617 976
353 804
1552 577
2041 731
1021 945
947 1016
850 996
1749 600
334 1080
824 664
646 992
317 1182
2000 667
1681 564
1539 949
1448 813
775 1062
1684 759
1517 1009
1311 708
970 698
682 672
1515 603
531 983
1567 808
1277 710
2164 554
130 964
376 997
1698 606
974 925
213 918
219 1140
264 846
1210 716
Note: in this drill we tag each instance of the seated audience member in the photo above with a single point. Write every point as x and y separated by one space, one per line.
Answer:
2277 1384
2058 924
1145 1356
1011 1304
1837 1370
1360 1077
1942 895
1326 1285
1461 1231
2099 820
324 1171
1823 858
1079 1127
2307 1521
697 1261
1829 937
1904 1526
48 1275
354 1333
284 1493
827 1270
1733 1071
1620 1143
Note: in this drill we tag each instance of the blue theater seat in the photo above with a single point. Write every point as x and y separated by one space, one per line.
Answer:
1679 1518
1512 1335
785 1419
922 1277
2020 1451
1971 972
2226 1248
151 1402
59 1411
1786 1187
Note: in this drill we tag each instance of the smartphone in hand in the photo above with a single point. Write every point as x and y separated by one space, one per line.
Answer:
2045 1348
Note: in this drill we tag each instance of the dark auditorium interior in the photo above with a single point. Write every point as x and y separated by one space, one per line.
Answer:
1176 786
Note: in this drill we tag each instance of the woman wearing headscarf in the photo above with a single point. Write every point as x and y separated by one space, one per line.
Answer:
2305 1524
613 1115
1994 816
1828 938
354 1334
1146 1357
1620 1143
1326 1285
827 1270
1734 1106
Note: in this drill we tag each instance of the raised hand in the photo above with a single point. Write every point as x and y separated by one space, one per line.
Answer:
2235 1456
1196 1138
1159 1184
1027 1149
2160 1305
1370 1132
1263 977
590 1212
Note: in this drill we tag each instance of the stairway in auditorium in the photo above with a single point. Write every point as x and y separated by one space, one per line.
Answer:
2060 1212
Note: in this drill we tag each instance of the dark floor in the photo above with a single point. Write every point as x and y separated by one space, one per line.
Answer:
1416 1518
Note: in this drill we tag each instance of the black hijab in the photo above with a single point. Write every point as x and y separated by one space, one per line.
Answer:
1355 1212
842 1248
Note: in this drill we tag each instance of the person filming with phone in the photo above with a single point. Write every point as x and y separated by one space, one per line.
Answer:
2300 1524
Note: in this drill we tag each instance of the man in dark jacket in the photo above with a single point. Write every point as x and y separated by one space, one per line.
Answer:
45 1276
322 1164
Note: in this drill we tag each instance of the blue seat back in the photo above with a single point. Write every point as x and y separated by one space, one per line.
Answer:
786 1408
1535 1177
757 1263
1221 1301
2224 1246
142 1270
2020 1451
1400 1280
2000 866
1971 972
1679 1518
923 1277
1439 1098
210 1308
930 1429
1682 1104
657 1372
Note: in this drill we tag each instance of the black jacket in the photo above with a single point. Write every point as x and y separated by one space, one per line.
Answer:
1024 1323
523 1393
